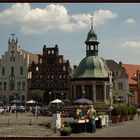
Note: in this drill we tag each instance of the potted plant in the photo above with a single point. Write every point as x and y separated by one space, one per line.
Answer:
123 112
133 113
65 131
128 112
115 113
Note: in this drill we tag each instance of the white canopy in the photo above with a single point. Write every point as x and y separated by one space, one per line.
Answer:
31 102
56 101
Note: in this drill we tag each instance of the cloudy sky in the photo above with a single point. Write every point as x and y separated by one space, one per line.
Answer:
67 24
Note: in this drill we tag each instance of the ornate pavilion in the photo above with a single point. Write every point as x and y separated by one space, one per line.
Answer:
91 77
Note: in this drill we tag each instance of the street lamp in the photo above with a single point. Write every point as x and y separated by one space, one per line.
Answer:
62 95
50 96
16 104
83 94
110 93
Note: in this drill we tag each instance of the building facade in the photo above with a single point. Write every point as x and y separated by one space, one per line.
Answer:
120 81
134 82
51 75
14 72
91 78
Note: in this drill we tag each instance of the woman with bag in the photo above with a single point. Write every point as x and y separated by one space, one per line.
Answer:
91 116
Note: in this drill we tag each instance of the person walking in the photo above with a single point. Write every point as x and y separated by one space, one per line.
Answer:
91 116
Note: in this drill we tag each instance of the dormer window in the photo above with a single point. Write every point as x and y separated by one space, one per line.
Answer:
116 73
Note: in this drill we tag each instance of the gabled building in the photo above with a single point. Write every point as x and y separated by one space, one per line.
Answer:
14 66
134 82
51 75
120 81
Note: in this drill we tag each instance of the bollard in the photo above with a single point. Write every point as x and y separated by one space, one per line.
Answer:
30 122
8 122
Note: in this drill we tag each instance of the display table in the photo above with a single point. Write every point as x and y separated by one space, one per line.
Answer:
80 125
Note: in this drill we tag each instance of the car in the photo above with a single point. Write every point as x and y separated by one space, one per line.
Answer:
1 110
21 109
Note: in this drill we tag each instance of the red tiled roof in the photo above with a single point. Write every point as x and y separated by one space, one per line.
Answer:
132 72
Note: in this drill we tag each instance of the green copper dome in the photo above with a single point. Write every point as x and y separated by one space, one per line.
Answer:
91 67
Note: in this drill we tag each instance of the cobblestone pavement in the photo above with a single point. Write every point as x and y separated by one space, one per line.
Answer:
10 126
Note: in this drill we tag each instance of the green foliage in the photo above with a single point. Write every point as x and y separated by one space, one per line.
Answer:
101 106
115 111
123 109
129 110
101 113
134 110
37 95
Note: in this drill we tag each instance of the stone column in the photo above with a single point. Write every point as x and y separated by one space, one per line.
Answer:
94 92
104 92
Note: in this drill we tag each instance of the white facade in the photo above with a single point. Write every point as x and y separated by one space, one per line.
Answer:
14 66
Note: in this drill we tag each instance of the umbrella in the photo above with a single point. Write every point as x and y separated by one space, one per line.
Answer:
67 100
56 101
16 101
31 102
82 101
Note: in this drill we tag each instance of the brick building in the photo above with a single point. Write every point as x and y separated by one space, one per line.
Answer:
133 72
51 75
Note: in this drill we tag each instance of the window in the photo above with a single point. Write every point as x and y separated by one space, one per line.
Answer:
37 68
11 86
12 70
116 73
22 98
120 86
18 85
4 86
0 86
64 68
21 70
3 71
23 85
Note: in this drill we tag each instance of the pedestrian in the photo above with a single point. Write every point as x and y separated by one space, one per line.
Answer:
79 112
91 116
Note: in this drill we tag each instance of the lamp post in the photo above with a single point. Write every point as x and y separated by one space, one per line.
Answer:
16 104
83 94
49 97
62 95
110 93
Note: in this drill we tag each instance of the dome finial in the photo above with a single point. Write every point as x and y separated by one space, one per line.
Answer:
12 35
92 20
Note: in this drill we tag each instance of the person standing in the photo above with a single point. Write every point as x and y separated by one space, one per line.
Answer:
91 116
79 112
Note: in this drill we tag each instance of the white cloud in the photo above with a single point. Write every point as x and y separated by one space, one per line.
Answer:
54 16
130 21
131 44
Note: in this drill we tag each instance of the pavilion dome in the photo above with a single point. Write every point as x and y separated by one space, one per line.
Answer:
91 67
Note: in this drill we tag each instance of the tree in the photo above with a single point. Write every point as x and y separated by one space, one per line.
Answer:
37 95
